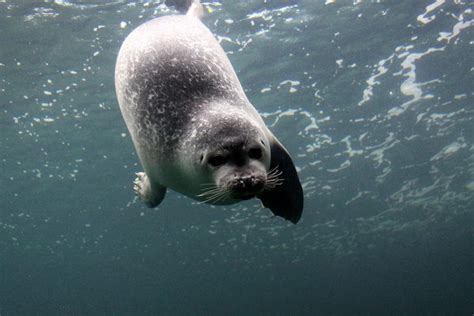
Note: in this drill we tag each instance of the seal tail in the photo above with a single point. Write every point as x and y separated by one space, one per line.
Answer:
189 7
196 10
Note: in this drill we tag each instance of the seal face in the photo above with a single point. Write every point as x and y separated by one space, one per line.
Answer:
234 153
192 125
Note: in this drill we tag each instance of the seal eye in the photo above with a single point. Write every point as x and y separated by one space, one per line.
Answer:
255 153
216 161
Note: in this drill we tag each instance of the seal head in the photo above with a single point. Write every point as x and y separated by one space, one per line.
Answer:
234 152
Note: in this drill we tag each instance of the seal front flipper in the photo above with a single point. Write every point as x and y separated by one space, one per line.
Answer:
285 199
152 195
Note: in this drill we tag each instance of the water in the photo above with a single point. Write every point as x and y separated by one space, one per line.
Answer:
373 99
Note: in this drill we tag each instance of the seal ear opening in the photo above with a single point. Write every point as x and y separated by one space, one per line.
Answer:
285 200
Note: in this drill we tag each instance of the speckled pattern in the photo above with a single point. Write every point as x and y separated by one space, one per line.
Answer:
177 91
168 71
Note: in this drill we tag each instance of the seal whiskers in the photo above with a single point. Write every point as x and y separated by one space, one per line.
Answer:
273 179
214 194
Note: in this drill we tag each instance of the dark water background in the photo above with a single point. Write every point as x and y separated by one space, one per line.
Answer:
374 99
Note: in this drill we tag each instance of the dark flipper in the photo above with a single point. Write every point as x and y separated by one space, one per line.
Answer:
188 7
285 200
181 5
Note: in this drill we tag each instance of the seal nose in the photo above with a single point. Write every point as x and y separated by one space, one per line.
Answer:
247 184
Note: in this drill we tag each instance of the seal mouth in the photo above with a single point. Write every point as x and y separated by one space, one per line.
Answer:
245 186
246 192
245 196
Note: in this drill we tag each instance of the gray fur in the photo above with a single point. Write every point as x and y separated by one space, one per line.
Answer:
182 101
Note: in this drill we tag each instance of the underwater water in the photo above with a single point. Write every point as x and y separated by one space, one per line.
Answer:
373 99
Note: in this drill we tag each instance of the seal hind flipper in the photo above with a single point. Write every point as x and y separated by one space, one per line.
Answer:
285 200
195 9
152 195
181 5
188 7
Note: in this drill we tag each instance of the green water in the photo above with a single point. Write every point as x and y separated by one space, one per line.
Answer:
374 100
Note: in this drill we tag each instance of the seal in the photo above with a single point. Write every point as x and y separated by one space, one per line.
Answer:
192 126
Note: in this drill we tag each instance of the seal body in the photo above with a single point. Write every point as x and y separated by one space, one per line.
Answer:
192 125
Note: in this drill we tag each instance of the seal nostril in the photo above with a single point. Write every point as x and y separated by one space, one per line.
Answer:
239 183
